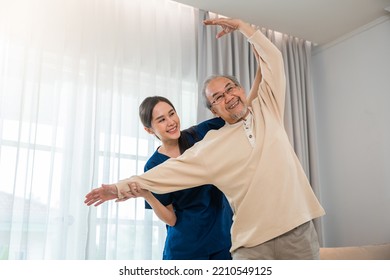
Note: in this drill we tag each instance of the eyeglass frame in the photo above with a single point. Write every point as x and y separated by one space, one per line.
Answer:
230 89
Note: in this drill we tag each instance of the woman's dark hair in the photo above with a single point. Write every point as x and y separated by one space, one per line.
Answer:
146 115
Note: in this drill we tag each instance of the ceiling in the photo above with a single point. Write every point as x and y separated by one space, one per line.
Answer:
319 21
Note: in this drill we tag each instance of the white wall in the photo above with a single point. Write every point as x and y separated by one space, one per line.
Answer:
352 96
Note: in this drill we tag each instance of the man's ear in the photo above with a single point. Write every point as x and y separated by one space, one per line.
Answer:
214 112
149 130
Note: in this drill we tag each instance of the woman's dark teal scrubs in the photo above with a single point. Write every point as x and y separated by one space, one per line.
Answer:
204 217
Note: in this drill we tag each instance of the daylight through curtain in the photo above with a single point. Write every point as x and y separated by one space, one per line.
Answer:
72 75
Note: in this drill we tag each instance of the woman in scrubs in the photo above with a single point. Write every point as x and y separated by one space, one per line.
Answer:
198 219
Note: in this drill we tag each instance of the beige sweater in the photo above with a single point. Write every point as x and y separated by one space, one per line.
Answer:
265 182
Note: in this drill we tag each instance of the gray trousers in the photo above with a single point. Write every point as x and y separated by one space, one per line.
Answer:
300 243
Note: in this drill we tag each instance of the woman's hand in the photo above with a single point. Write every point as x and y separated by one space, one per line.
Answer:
136 191
133 191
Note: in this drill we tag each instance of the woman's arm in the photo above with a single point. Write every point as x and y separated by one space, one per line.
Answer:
164 213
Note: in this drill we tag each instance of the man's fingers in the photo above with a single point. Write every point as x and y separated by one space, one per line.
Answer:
220 34
208 22
90 202
98 203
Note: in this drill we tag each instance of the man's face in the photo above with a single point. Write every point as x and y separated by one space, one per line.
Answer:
227 100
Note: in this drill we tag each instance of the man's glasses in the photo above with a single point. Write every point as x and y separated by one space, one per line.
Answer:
221 96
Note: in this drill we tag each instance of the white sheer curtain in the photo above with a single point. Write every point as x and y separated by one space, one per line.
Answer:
72 75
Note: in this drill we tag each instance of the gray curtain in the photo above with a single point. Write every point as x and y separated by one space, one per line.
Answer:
232 55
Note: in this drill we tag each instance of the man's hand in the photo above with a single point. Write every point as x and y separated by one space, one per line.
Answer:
229 25
99 195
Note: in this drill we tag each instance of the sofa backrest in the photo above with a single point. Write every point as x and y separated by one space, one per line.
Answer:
369 252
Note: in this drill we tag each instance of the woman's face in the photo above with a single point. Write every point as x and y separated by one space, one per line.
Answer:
165 122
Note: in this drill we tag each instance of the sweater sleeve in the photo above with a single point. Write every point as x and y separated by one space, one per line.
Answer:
272 89
184 172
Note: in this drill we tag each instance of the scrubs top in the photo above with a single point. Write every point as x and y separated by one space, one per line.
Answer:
204 216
